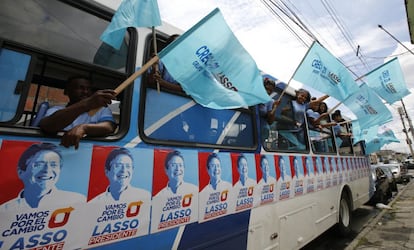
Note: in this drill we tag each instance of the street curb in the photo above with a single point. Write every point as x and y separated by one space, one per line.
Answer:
374 221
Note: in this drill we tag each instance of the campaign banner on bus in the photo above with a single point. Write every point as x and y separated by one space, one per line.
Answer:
266 179
244 181
119 197
327 170
39 205
309 170
340 170
319 172
296 166
216 197
175 189
284 176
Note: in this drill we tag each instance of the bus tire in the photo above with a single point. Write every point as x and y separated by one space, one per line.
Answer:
345 215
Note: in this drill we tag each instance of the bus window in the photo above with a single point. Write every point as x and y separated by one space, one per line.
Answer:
171 117
59 28
66 44
322 140
359 148
283 134
14 68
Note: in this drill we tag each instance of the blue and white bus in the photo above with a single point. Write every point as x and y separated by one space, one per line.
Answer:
275 191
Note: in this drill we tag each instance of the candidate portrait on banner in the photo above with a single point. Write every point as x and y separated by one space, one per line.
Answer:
175 189
244 179
119 193
266 173
216 190
42 172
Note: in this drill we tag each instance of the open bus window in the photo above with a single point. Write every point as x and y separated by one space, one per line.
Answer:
343 138
283 134
171 117
322 140
66 44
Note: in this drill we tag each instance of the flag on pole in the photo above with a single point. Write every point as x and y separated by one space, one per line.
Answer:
368 107
213 67
131 13
363 134
380 140
322 71
388 81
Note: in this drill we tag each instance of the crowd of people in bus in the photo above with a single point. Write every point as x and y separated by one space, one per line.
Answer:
286 118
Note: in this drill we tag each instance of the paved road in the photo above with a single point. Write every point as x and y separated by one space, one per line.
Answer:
330 240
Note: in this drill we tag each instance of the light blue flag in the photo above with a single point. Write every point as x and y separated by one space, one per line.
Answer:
388 81
131 13
213 67
388 136
363 134
368 107
380 140
322 71
374 145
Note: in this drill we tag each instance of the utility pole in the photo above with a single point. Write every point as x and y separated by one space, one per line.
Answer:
401 112
408 119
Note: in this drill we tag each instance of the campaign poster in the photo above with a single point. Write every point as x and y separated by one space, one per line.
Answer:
328 174
43 187
334 172
296 167
244 180
351 169
283 173
339 170
317 162
309 173
215 185
266 179
119 197
175 189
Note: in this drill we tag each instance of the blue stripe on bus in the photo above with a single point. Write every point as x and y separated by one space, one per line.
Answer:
228 232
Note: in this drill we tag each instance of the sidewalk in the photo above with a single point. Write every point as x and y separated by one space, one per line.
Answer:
390 229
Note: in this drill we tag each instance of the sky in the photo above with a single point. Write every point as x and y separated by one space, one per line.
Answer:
278 44
340 26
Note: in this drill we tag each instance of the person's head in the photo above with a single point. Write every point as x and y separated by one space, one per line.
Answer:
39 167
119 167
314 106
269 85
214 167
302 96
323 108
264 165
174 166
242 166
336 116
78 88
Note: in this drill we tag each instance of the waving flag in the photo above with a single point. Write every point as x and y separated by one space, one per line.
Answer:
388 81
363 134
131 13
322 71
380 140
368 107
213 67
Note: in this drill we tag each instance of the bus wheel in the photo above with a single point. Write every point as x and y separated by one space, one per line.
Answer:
344 224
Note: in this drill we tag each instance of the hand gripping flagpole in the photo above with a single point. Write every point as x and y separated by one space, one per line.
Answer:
130 80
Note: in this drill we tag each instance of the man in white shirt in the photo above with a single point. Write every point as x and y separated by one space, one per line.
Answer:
119 169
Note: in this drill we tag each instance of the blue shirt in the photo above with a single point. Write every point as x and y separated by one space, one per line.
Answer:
104 114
